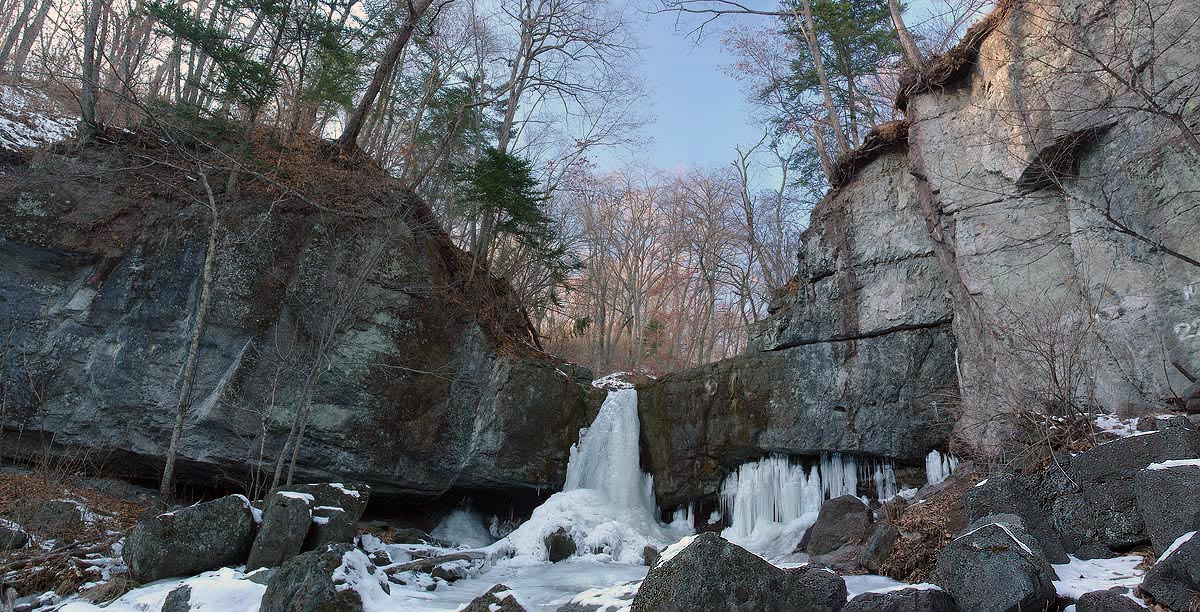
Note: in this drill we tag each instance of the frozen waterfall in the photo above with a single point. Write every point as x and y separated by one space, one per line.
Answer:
608 457
607 505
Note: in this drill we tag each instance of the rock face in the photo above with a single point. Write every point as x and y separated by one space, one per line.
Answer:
286 518
103 321
712 574
855 357
990 569
1091 496
842 520
1174 581
191 540
903 600
1162 491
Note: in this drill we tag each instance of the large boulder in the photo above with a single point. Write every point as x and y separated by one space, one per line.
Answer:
1091 496
335 579
1113 600
1174 581
1166 495
713 574
499 598
1008 493
190 540
178 600
842 520
824 589
993 569
286 518
918 598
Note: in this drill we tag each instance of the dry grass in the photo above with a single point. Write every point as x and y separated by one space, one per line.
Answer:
926 527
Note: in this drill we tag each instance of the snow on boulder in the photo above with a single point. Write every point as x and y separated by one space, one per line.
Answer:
190 540
910 598
350 497
286 517
1166 495
498 599
713 574
1174 581
993 569
1008 493
12 535
330 525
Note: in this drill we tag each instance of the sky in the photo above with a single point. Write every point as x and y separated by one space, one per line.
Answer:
699 113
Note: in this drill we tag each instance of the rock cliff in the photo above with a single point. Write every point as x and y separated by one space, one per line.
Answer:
428 385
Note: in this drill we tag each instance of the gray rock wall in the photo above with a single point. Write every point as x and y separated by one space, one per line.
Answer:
416 395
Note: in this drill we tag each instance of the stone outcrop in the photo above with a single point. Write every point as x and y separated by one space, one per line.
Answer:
993 569
429 384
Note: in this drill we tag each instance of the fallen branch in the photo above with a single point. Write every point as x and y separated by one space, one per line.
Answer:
420 564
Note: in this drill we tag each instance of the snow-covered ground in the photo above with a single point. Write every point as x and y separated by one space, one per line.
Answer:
28 119
1078 576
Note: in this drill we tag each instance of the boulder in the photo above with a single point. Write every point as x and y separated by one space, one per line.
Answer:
842 520
1174 581
178 600
650 555
56 518
1008 493
328 580
993 569
714 574
330 525
499 598
349 497
190 540
823 589
1091 497
12 535
559 545
878 547
286 517
1166 495
922 598
452 571
1116 599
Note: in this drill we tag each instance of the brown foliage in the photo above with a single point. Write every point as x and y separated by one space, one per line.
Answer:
926 527
950 67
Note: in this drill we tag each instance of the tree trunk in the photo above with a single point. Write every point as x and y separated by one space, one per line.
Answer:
354 124
193 354
911 53
87 96
814 47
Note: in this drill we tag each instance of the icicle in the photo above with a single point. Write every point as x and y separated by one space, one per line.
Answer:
684 519
938 467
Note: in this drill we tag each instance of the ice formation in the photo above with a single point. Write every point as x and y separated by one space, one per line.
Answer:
608 459
938 467
768 498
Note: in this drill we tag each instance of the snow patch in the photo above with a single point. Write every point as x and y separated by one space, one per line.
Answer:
1174 463
1079 576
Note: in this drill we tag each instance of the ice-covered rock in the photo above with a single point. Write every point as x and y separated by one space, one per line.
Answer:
711 573
499 598
190 540
992 569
